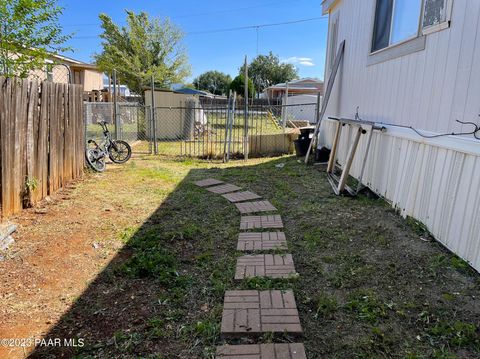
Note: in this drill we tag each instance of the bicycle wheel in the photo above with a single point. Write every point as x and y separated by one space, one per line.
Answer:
96 163
119 151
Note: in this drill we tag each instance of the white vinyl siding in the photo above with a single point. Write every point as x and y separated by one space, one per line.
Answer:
435 181
437 85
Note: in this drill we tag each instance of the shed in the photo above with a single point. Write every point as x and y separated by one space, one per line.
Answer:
176 114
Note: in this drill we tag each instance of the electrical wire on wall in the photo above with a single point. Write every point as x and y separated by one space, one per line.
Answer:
475 130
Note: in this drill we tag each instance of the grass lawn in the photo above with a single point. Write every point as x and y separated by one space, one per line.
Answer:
155 254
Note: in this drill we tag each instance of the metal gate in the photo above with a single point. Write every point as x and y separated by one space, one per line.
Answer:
195 131
134 125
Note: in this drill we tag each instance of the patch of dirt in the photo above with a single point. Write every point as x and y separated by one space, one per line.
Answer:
58 252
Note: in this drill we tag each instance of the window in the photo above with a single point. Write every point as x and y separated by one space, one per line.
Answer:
436 13
406 14
395 21
399 20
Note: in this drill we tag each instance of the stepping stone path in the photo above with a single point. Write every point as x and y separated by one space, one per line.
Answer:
208 182
241 196
224 188
251 313
253 222
262 351
256 312
261 241
265 265
252 207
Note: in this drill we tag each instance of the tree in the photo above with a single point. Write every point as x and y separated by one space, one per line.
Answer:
215 82
142 49
238 85
29 34
267 70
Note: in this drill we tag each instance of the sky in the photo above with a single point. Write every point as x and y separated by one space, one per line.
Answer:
302 43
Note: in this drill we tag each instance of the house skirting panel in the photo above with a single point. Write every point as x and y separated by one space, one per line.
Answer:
436 181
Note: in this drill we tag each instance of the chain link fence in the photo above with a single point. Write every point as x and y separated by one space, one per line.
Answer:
126 121
52 72
212 130
202 127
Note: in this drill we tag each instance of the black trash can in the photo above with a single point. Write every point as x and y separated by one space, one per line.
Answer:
301 147
303 141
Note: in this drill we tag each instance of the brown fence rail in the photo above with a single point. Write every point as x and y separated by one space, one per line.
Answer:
42 140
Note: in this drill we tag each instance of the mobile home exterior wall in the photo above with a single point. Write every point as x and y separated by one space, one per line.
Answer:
436 181
428 89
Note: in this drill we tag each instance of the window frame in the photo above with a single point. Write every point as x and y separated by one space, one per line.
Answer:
421 31
442 25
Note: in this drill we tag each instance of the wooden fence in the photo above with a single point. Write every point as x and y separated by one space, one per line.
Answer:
42 140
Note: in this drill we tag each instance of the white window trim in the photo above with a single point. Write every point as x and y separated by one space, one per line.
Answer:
399 49
443 25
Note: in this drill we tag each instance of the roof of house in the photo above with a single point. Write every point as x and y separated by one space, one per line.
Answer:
74 63
327 5
307 83
190 91
293 88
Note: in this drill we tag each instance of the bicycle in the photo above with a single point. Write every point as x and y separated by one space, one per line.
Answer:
117 150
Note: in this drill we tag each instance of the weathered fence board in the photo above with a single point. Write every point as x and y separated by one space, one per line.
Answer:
42 140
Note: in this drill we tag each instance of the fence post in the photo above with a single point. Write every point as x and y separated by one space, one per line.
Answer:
115 122
154 123
245 113
285 108
317 112
227 122
232 119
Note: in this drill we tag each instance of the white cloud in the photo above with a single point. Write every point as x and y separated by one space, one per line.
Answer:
306 63
303 61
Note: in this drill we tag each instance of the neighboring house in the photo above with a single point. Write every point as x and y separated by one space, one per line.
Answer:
413 63
300 108
56 70
306 86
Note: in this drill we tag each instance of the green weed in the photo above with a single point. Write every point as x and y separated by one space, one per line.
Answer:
378 344
456 333
155 263
352 270
418 227
367 306
265 283
326 306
